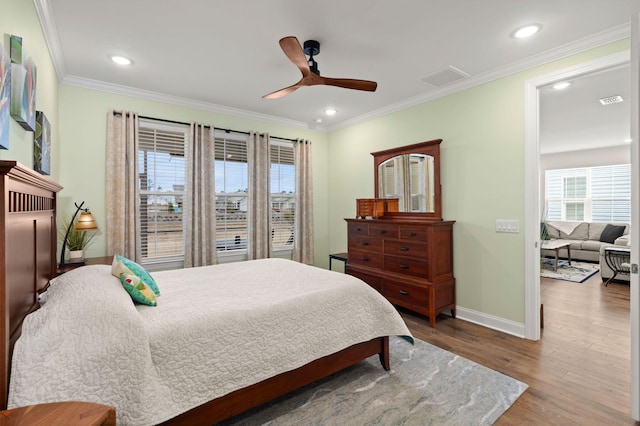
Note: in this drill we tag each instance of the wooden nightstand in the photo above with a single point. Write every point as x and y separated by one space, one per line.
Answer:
59 414
104 260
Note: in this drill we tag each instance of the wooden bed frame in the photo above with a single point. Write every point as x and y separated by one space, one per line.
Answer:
28 243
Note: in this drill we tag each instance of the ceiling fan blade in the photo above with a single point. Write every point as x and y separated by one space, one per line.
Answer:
349 83
280 93
291 47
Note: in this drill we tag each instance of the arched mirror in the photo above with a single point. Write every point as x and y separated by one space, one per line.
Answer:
412 175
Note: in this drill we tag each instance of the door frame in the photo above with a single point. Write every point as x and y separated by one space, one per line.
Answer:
532 208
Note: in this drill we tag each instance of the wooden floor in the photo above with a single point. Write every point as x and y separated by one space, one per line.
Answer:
578 373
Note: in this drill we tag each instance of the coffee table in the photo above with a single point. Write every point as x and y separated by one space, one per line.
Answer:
557 246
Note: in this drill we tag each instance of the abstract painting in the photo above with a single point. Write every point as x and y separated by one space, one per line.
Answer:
42 145
5 100
23 85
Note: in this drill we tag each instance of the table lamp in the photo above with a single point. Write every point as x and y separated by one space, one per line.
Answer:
85 222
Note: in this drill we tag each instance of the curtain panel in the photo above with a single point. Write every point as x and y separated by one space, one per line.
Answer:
259 200
303 224
122 221
200 205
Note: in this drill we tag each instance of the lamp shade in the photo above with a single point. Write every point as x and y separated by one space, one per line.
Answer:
86 222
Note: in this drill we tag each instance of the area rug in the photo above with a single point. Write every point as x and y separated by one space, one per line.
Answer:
426 386
577 272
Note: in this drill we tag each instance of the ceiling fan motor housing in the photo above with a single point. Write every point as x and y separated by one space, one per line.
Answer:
312 48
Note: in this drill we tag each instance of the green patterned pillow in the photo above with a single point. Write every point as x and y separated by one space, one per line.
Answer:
122 265
139 291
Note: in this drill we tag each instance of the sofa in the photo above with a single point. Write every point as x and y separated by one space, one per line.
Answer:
586 240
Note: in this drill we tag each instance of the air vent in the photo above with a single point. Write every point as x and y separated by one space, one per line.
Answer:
444 76
611 100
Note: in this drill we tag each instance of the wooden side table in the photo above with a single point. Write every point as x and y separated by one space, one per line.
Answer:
104 260
60 414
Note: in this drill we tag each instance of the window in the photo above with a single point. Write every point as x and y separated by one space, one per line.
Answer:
232 176
161 180
594 194
283 184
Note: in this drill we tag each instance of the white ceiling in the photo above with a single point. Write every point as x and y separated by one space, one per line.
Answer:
224 55
573 118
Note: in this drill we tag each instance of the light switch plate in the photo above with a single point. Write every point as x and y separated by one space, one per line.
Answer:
511 226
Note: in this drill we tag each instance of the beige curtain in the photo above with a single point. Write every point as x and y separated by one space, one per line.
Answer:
200 203
259 204
121 185
303 226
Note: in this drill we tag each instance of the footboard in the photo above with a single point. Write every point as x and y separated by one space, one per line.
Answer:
243 399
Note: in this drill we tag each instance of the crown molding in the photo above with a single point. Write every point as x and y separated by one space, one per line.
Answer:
48 25
569 49
87 83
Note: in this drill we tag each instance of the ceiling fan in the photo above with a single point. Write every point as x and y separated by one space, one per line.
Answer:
309 69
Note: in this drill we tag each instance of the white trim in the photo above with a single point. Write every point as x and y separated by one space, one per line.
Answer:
50 31
532 180
47 23
87 83
635 216
593 41
490 321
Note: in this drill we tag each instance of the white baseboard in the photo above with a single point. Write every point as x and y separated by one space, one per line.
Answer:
490 321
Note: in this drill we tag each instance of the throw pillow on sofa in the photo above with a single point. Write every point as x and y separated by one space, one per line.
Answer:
611 232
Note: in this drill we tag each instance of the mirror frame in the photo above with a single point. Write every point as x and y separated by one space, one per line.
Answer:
431 148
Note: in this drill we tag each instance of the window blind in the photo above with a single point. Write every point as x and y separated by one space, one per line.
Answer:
231 183
161 168
596 194
283 184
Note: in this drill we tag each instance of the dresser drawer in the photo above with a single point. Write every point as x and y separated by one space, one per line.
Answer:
365 258
365 243
383 230
415 233
406 265
357 228
405 294
405 248
373 280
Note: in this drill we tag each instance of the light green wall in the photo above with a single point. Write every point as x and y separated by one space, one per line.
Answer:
482 161
482 175
18 17
83 119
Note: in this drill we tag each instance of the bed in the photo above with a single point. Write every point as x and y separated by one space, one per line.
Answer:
222 339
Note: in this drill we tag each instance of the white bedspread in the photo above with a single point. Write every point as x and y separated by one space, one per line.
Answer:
215 329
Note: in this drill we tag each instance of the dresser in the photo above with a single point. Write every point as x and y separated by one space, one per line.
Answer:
410 262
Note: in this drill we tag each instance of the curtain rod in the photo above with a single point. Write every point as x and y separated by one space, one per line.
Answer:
208 127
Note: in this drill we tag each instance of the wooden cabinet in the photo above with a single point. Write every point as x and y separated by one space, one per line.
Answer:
409 261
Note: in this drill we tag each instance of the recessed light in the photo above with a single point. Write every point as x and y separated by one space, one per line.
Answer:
561 85
318 120
330 111
120 60
627 140
527 31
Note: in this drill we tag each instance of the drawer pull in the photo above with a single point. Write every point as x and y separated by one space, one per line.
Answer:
366 259
404 266
404 292
365 243
404 248
413 234
358 229
383 231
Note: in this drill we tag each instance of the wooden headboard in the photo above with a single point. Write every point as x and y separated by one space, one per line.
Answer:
28 246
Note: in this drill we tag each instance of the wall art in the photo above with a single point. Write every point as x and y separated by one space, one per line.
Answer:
42 145
23 85
5 97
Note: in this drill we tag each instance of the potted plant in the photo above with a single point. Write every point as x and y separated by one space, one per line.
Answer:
77 240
